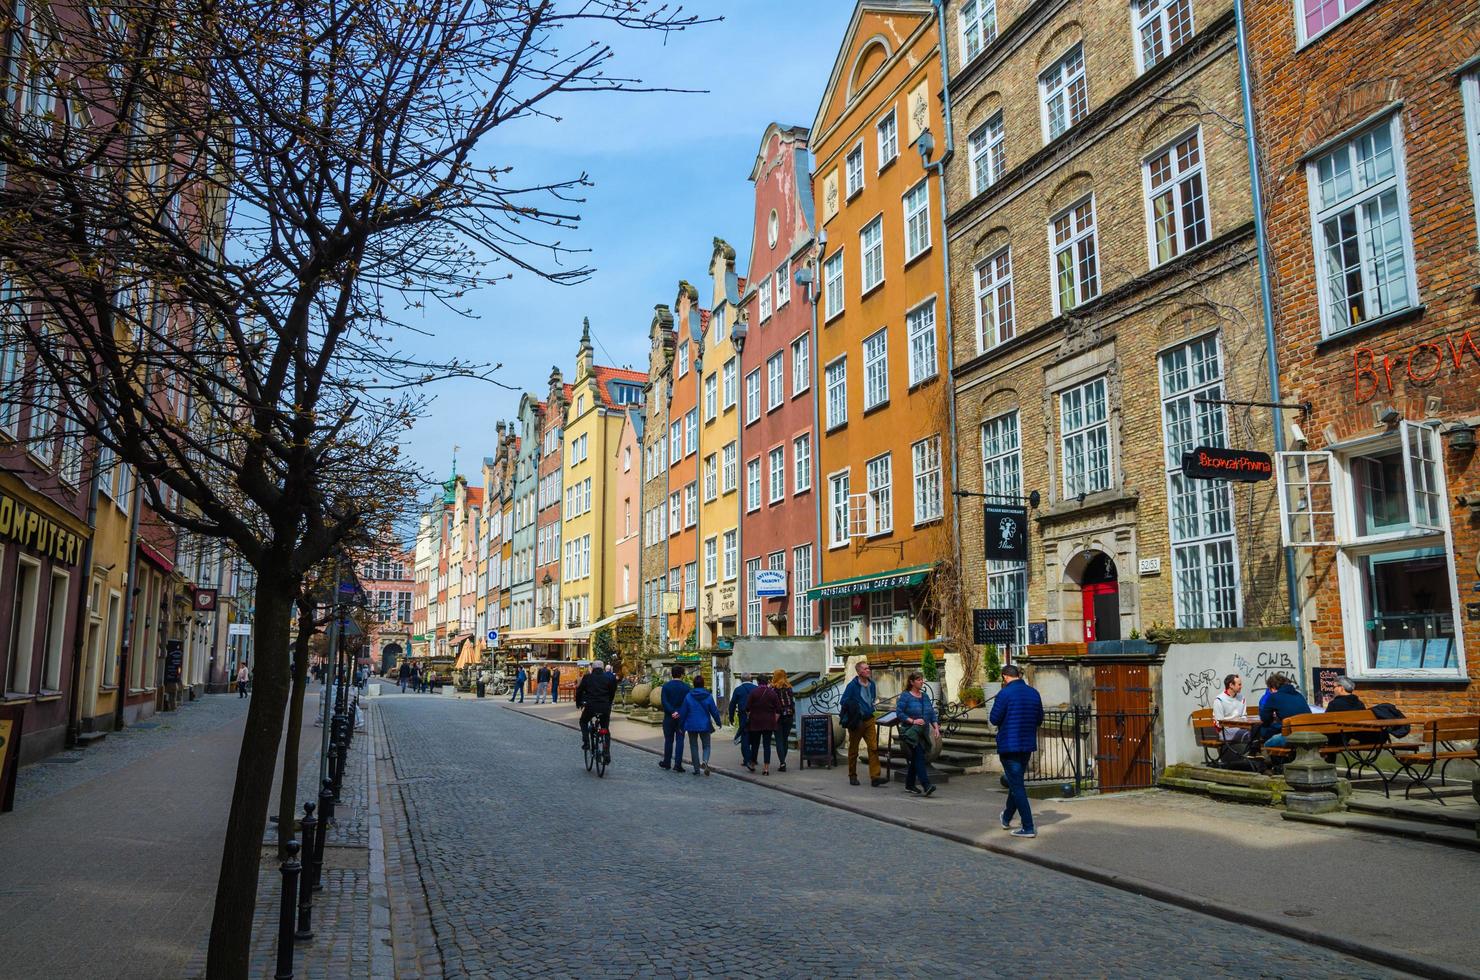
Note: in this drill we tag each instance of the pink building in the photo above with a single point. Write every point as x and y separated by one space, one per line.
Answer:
778 441
627 495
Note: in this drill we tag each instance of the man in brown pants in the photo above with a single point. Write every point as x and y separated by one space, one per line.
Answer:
857 710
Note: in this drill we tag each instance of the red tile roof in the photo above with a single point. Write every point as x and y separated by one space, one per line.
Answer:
606 374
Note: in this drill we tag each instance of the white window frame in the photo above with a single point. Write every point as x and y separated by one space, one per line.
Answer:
888 138
711 477
1081 435
915 204
729 457
929 502
838 497
1470 89
1349 8
835 374
752 601
871 256
801 364
763 290
776 475
987 145
976 21
690 505
804 619
711 397
783 284
880 494
752 485
1175 186
834 299
711 561
730 555
753 396
1157 16
683 360
691 432
1072 244
775 381
1057 80
728 384
849 172
801 463
993 276
876 369
924 352
1355 202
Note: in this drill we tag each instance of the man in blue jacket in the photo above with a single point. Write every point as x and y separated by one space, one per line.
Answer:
1283 701
672 694
1017 712
737 705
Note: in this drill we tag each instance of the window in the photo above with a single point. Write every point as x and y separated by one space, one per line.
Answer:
1075 261
978 22
729 393
70 466
690 505
763 291
721 322
675 433
753 485
881 616
752 601
752 396
888 139
711 477
1383 508
627 459
1361 229
803 623
876 370
1085 438
691 585
691 432
801 364
1315 17
777 460
916 219
837 494
988 154
842 631
783 285
837 392
711 560
1163 26
775 380
923 359
832 279
1175 208
683 360
732 554
12 353
711 397
853 164
929 504
994 322
1205 580
880 495
871 244
1065 94
23 625
1471 89
675 505
801 458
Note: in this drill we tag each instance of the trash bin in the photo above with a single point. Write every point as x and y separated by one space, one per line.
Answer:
480 687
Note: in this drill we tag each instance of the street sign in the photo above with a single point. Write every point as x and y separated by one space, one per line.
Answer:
993 626
1217 463
493 638
770 583
239 629
1005 527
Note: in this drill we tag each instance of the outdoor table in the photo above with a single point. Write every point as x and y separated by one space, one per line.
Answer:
1366 755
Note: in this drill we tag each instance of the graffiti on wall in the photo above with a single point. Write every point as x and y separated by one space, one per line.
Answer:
1192 676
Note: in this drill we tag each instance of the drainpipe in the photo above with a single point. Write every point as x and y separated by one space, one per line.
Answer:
131 600
1266 301
74 714
818 380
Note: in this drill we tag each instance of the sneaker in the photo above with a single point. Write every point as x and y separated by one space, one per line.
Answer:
881 781
781 768
913 789
852 780
930 790
663 765
1024 832
1002 819
706 768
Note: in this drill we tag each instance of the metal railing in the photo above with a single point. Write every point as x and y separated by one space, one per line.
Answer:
1065 752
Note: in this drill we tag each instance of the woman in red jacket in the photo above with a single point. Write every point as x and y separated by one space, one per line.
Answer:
763 711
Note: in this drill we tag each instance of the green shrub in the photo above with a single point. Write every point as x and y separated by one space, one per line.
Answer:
973 696
927 664
992 664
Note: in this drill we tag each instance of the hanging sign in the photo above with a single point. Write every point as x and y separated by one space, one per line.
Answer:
993 626
1217 463
770 583
1006 530
205 600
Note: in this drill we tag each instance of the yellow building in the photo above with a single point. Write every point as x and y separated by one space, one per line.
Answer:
591 521
718 376
107 597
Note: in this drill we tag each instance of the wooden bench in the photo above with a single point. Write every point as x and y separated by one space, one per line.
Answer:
1215 748
1361 746
1438 737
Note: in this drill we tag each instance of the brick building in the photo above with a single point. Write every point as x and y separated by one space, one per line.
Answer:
682 392
1105 294
655 478
1368 130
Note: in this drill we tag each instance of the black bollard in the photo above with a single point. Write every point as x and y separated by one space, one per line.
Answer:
326 815
285 918
339 769
333 760
311 866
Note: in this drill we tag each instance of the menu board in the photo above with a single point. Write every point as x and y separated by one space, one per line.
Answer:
815 739
1323 685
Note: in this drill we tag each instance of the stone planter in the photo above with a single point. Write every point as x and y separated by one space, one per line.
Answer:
639 695
1312 780
655 697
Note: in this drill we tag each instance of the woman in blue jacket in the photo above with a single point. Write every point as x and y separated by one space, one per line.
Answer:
918 724
699 716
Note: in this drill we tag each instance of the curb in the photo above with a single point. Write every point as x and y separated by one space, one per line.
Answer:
382 962
1126 883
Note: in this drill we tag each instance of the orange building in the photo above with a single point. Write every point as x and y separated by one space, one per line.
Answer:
681 389
882 347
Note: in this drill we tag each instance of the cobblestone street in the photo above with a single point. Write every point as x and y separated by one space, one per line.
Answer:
506 855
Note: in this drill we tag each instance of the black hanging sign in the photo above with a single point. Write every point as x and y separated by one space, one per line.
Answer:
1216 463
993 626
816 740
1006 532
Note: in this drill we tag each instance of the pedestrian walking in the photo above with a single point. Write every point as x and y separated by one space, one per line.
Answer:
243 677
555 686
1017 714
672 696
763 714
404 675
698 717
918 726
542 684
781 684
856 712
416 678
738 699
520 679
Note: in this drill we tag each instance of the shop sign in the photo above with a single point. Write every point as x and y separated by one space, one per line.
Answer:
205 600
836 590
1373 373
1218 463
174 661
770 583
32 529
1006 529
239 629
993 626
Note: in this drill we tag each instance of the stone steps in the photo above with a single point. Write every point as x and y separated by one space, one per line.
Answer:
1460 811
1432 833
1225 784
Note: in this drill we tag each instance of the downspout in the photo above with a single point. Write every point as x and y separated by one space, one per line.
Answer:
74 720
819 376
131 596
1266 300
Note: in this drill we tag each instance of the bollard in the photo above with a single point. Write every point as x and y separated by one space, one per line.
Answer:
339 769
333 759
312 863
285 918
336 765
326 815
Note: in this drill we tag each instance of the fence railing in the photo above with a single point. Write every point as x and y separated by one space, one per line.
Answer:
1065 750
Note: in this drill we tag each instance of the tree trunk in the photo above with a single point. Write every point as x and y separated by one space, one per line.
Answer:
288 791
236 887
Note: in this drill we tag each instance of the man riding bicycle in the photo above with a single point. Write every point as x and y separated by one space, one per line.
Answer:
594 696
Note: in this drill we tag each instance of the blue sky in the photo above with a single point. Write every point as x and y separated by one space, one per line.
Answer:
671 173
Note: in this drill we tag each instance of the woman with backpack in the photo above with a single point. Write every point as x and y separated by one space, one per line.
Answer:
781 684
918 722
763 714
699 716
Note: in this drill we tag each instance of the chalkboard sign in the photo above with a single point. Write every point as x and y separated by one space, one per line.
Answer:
174 660
1323 685
816 740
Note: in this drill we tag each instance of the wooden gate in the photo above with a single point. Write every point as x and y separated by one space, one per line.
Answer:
1124 722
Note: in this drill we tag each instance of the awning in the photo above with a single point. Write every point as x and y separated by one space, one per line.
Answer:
899 578
538 634
470 657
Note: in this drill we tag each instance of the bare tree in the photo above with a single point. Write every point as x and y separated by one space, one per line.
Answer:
216 210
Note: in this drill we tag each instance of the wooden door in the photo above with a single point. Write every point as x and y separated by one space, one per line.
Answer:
1124 723
1101 611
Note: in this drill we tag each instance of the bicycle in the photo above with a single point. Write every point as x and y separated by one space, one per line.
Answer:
596 748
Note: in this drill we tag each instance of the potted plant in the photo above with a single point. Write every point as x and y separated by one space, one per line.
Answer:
929 669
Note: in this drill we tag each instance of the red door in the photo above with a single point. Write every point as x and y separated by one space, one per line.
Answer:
1101 611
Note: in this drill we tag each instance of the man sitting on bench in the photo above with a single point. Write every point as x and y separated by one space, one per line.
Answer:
1229 705
1284 702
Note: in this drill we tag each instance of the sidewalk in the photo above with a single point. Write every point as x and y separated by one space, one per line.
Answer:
1300 879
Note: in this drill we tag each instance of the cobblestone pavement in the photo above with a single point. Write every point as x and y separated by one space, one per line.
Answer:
121 749
507 856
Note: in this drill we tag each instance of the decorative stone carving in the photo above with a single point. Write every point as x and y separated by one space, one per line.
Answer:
1312 779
